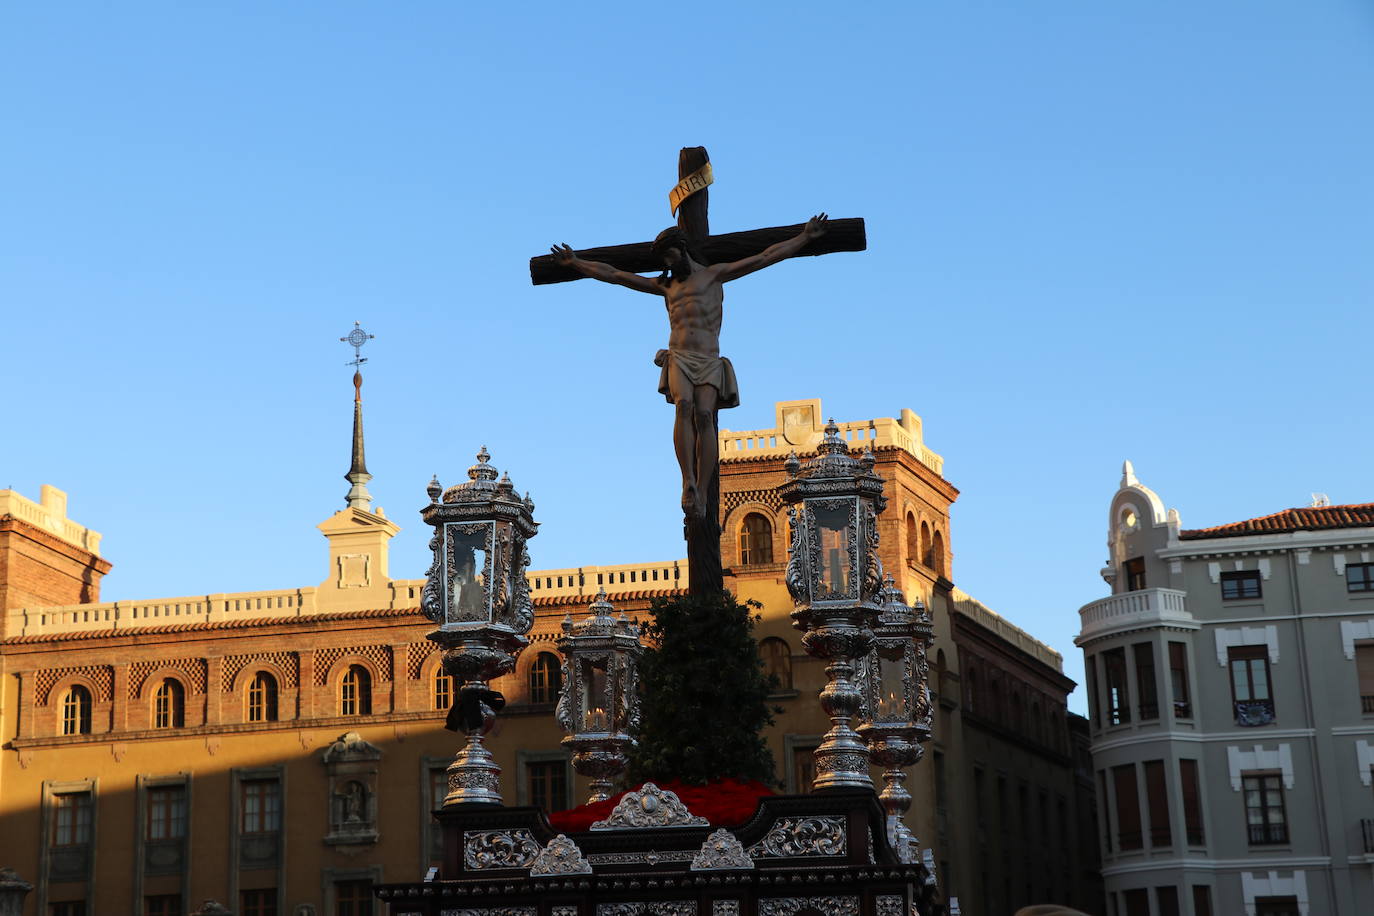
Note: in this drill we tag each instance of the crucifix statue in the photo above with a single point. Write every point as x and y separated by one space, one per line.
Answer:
695 378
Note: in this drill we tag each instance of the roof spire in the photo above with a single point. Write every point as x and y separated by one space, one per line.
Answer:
358 497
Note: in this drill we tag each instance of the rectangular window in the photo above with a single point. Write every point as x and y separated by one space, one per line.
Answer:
1157 803
1145 680
1127 807
67 908
1106 810
162 905
1137 901
1265 819
353 898
1118 696
548 784
1178 680
71 823
1167 898
804 768
1192 802
1253 702
166 813
1359 577
1364 667
1202 900
260 902
1135 574
1276 906
1238 585
1094 706
261 805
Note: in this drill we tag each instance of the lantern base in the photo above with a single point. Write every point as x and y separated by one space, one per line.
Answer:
473 776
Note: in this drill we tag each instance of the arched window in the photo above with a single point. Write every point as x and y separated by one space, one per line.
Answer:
443 689
777 661
755 540
76 711
913 541
937 553
355 692
262 698
925 544
546 678
169 704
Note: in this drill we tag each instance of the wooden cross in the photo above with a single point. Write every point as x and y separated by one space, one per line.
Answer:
705 575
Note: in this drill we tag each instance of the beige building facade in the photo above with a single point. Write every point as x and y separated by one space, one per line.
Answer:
1231 689
281 750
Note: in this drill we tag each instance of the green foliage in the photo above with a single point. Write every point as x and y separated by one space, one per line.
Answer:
704 694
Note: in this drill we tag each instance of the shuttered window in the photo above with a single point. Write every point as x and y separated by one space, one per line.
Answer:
1157 803
1192 802
1127 807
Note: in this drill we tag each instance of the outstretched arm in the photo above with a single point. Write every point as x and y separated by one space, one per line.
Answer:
814 228
565 256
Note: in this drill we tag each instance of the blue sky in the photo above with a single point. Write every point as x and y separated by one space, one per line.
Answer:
1096 231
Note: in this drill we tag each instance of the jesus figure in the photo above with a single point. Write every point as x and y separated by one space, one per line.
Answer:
696 379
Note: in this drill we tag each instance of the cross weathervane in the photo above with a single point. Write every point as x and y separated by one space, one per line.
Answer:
355 339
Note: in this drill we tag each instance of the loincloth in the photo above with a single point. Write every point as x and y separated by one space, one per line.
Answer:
684 370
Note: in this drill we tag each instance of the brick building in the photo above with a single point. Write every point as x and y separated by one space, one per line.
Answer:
281 750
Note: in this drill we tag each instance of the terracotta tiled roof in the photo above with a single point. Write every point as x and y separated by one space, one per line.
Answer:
215 625
1305 519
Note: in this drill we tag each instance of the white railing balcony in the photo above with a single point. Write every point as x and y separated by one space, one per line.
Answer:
1132 610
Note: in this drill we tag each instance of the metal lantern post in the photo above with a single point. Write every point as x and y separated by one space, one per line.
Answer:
896 705
477 593
599 705
835 577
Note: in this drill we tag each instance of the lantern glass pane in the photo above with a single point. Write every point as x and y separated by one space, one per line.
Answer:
832 528
892 685
595 701
466 575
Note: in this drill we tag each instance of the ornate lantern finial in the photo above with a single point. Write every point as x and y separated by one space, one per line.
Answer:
477 594
896 705
599 706
835 579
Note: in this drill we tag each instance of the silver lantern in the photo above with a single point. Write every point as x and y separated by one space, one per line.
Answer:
896 705
477 593
835 577
599 706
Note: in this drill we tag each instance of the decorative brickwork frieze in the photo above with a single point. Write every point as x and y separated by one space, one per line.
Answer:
733 500
193 669
415 659
102 676
380 656
287 662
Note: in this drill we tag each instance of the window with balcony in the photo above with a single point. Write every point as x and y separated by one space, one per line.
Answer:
1364 669
1178 680
1236 586
1145 686
1192 801
262 698
1250 695
1266 822
169 704
1135 574
1118 696
1094 705
76 711
1359 577
1128 833
546 678
355 692
755 540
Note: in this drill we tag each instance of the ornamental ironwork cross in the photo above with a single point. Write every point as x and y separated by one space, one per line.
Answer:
695 378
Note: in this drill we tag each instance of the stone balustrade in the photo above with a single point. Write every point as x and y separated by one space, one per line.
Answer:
1129 610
